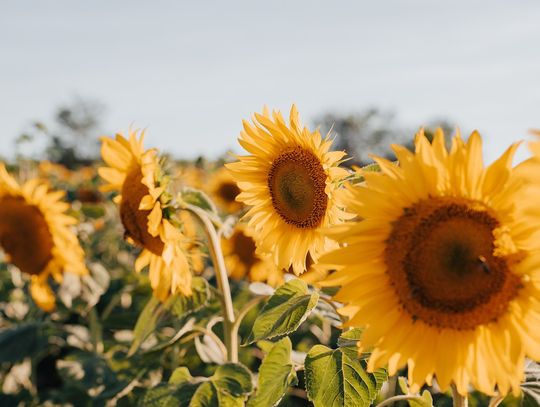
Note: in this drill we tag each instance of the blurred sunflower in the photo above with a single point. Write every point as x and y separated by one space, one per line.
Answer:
290 179
146 213
243 260
36 235
442 270
191 176
223 190
49 169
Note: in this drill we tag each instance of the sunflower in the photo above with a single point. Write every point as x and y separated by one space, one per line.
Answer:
244 261
146 214
442 270
290 180
223 190
190 176
36 235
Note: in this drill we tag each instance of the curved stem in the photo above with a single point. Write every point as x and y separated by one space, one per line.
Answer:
392 400
459 400
248 307
231 339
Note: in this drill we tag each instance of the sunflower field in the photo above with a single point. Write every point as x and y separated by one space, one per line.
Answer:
280 276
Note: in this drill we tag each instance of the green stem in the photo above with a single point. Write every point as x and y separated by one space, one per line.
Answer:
95 330
229 319
459 400
392 400
248 307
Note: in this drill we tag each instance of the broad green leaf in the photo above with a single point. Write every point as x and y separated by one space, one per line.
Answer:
228 386
276 374
284 311
205 396
531 385
336 377
233 379
163 395
348 342
350 338
21 341
180 375
198 198
265 346
179 305
425 400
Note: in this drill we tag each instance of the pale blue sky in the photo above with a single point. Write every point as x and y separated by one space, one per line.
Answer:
190 71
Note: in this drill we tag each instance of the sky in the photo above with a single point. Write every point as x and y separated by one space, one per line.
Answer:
190 71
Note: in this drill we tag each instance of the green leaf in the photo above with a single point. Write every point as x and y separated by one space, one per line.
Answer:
284 311
276 374
372 168
228 387
336 377
531 385
233 379
425 400
179 305
21 341
198 198
350 338
163 395
146 323
180 375
205 396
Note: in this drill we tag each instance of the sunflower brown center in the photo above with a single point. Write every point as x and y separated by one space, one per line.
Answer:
441 260
135 220
228 191
25 235
244 247
297 183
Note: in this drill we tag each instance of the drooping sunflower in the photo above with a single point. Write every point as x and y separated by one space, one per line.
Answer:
290 180
145 212
243 261
442 270
36 235
223 190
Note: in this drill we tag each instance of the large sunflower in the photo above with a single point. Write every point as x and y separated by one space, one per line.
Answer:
244 261
442 270
36 235
290 179
148 220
